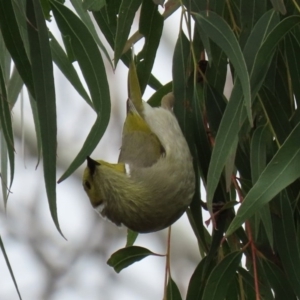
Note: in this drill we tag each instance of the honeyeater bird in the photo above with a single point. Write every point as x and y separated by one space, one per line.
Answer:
153 183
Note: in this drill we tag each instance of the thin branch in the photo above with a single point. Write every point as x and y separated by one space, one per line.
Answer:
167 269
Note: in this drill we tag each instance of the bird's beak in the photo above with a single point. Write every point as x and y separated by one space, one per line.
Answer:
92 164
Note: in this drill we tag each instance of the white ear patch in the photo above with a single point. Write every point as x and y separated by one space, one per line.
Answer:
99 208
127 169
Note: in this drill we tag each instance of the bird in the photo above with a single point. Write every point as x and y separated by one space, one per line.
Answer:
154 181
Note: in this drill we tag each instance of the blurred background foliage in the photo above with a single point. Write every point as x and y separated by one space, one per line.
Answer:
245 144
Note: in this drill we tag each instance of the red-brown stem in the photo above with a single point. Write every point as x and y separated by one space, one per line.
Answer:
253 252
251 242
167 269
237 188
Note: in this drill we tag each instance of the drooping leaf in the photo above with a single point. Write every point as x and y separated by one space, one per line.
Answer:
14 43
277 280
150 26
279 6
278 119
286 241
6 128
219 31
14 87
179 73
93 70
173 292
250 14
89 145
9 267
127 256
42 72
197 282
293 60
93 5
281 171
86 19
37 127
221 277
61 60
125 19
88 56
155 99
234 114
3 169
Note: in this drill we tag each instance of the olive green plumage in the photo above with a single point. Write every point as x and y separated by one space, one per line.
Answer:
154 182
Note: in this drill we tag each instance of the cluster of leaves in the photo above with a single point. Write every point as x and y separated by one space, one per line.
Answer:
245 150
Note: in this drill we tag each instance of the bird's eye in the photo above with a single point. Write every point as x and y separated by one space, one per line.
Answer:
87 185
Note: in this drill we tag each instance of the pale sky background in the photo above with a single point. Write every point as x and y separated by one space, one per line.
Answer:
45 265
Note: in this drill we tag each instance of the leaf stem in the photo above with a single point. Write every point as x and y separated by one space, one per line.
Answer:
167 269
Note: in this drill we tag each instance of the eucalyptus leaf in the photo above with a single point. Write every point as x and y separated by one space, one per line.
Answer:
281 171
221 277
42 72
173 292
127 256
9 267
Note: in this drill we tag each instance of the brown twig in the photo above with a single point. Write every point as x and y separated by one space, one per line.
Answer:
250 238
167 269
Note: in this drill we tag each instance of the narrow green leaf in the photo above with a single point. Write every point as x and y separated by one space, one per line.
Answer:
93 70
6 127
93 5
282 170
20 13
277 280
201 138
45 97
279 6
131 237
127 12
9 267
61 60
150 26
14 87
14 43
286 241
89 145
249 284
216 72
88 56
234 114
228 130
293 59
106 19
197 282
221 277
276 114
173 292
219 31
3 169
232 118
230 164
127 256
258 35
86 19
258 146
5 59
180 63
264 55
37 127
155 99
251 12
